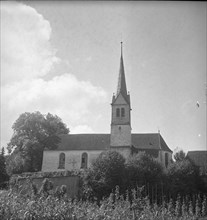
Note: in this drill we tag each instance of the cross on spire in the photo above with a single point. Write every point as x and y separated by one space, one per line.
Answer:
121 47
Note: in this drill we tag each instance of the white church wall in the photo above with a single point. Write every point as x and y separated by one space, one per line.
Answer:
72 159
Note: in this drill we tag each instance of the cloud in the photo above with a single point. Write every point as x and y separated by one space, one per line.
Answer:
64 95
26 51
27 55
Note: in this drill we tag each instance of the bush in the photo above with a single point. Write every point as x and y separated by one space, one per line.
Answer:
183 178
106 172
141 169
46 187
4 177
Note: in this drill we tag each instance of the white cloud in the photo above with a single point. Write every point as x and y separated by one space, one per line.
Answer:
26 56
25 47
65 96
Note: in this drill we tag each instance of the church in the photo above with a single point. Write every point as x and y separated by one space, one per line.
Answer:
78 151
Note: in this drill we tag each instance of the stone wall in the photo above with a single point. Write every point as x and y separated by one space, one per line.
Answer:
24 182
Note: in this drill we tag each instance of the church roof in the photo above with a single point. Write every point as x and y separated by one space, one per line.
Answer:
84 142
102 142
149 141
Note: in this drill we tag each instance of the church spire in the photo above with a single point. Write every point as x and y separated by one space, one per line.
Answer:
121 88
121 116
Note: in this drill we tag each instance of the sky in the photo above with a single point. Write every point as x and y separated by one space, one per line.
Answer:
63 57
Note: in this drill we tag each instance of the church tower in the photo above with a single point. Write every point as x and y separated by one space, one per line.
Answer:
121 117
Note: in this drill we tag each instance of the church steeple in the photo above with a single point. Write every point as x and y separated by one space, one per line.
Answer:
121 117
121 88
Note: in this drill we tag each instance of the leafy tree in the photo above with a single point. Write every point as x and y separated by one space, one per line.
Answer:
142 169
106 173
15 163
183 178
179 156
33 132
3 173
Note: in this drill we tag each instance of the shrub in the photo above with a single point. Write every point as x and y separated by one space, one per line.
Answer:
46 187
106 172
3 173
204 207
141 169
183 178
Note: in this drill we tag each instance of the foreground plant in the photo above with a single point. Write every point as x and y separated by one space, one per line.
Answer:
56 205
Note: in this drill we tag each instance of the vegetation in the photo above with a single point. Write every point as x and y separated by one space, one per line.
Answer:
141 169
112 188
183 178
110 169
3 174
106 172
49 203
33 132
179 156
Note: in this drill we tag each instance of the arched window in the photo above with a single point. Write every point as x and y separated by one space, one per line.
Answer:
61 161
117 112
84 161
122 112
166 160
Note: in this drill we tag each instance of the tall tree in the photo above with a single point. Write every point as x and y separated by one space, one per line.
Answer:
33 132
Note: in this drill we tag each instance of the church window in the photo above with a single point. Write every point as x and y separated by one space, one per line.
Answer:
84 161
122 112
117 112
61 161
166 160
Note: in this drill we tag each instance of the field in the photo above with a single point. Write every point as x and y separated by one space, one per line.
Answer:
56 205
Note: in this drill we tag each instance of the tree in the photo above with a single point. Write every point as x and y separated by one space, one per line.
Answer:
179 156
33 132
183 178
3 173
142 169
15 163
106 173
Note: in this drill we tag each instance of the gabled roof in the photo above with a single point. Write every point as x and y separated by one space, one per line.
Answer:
102 142
84 142
149 141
